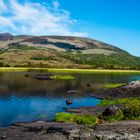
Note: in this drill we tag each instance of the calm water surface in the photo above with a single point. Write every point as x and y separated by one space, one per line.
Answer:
25 99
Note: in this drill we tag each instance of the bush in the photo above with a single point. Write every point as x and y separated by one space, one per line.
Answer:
114 118
131 110
1 64
80 119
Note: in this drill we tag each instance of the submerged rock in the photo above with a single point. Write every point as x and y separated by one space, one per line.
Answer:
88 84
44 77
68 102
72 92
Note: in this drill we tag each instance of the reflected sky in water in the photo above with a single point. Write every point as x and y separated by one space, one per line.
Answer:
24 99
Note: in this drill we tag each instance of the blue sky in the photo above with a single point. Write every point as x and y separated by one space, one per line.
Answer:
113 21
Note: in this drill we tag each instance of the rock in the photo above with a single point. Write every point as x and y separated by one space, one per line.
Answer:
88 85
133 84
72 92
40 130
68 102
44 77
4 137
27 75
113 110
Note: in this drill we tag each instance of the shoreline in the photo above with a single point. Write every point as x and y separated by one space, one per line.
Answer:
18 69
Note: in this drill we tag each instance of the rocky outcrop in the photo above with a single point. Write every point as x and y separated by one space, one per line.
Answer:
124 130
129 90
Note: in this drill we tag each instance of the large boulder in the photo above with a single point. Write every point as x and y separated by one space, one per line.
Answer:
112 110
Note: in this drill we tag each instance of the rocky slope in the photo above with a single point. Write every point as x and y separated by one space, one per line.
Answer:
62 52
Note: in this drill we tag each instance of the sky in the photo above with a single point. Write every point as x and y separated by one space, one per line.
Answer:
116 22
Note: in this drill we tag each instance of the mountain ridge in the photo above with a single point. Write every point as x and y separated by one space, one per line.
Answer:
63 52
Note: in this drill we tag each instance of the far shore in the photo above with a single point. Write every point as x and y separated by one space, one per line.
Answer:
65 70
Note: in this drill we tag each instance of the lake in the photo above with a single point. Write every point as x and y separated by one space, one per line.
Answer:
26 99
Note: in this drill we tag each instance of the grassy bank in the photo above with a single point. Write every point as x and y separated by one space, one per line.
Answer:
14 69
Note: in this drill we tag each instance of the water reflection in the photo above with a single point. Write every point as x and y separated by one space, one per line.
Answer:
24 99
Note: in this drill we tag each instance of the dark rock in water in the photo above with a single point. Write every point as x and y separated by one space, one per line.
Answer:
72 92
44 77
27 75
113 110
88 85
68 102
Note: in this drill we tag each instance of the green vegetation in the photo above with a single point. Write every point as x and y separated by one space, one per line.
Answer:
63 77
114 118
19 46
54 70
80 119
118 101
130 109
113 85
43 58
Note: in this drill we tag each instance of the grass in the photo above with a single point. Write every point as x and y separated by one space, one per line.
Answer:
118 101
54 70
63 77
93 71
115 85
79 119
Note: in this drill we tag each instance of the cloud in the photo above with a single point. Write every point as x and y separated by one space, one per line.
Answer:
37 19
2 6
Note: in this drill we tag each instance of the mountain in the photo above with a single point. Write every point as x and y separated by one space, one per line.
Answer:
5 36
62 52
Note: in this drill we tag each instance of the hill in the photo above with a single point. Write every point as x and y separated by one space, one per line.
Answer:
62 52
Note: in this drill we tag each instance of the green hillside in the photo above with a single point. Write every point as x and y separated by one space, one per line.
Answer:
62 52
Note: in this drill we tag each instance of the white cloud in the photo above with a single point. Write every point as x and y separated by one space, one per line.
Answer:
2 6
37 19
56 4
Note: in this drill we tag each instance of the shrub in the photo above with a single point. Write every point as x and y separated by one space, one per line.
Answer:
1 64
114 118
131 110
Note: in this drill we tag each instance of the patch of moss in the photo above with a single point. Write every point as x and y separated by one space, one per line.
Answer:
63 77
80 119
113 85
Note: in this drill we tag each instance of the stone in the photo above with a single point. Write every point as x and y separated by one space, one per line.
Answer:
113 110
68 102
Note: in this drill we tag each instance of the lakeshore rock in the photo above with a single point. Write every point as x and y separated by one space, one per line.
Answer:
112 110
129 90
40 130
